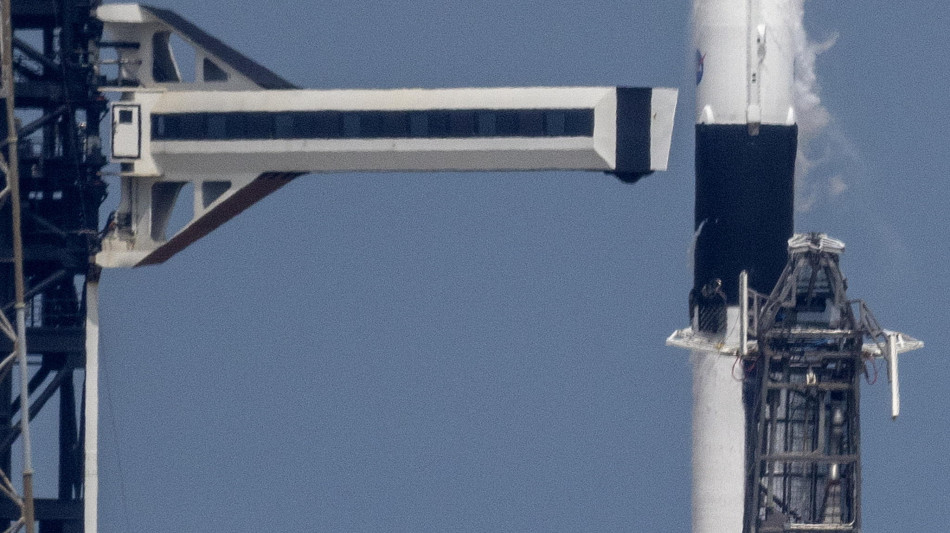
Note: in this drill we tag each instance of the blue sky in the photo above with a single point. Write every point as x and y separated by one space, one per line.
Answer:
484 352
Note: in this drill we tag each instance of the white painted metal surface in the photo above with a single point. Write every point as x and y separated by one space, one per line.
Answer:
690 339
172 158
135 24
718 493
745 54
800 242
892 375
91 413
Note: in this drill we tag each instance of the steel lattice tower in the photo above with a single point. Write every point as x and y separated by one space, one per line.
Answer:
59 111
802 400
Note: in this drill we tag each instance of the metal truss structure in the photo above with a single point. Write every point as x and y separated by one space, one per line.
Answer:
58 110
804 350
802 394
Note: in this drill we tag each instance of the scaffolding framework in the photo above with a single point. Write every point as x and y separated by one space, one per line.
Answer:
802 396
58 109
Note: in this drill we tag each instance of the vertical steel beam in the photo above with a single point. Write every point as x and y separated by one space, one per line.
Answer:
13 183
59 163
91 408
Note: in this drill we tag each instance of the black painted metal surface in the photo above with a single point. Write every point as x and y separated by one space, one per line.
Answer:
745 188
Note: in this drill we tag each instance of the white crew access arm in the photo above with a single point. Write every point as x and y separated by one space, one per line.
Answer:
239 132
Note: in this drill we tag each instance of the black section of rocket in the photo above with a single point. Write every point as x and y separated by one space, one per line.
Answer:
745 189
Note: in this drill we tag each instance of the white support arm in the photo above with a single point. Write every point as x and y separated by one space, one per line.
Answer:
237 132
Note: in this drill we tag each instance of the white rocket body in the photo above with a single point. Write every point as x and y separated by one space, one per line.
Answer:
718 440
746 52
746 141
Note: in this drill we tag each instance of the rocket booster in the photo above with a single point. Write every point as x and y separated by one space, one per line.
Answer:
746 140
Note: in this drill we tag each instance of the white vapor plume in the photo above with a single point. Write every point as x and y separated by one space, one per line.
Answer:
827 160
691 250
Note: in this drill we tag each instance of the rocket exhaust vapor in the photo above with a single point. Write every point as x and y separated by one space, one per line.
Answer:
746 144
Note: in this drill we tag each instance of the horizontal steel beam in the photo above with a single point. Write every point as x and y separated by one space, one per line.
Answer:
808 458
805 387
46 509
51 340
